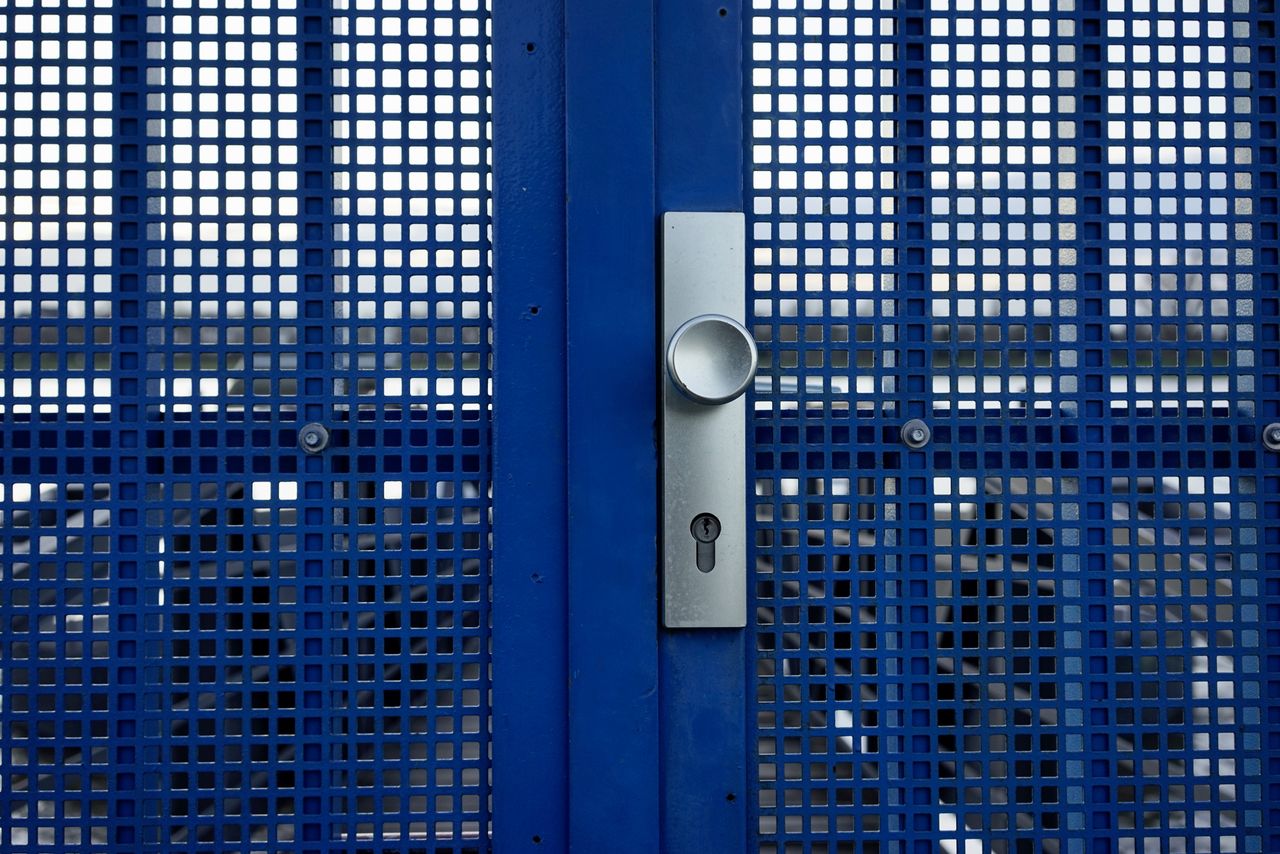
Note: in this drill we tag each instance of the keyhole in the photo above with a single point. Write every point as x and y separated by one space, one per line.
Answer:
705 529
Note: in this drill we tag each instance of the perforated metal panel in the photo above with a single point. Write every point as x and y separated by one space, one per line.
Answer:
1049 229
223 221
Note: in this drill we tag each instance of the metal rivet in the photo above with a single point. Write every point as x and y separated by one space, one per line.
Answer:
313 438
1271 436
916 434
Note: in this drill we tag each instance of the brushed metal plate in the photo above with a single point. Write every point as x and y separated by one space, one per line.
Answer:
703 447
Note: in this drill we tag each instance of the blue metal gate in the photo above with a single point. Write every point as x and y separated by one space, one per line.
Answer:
282 415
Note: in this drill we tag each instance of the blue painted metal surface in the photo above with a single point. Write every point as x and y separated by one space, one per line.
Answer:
612 453
222 223
530 494
699 149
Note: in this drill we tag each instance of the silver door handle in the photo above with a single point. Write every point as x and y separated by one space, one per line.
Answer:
712 359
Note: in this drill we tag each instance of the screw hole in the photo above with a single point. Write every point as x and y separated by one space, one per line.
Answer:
530 47
534 309
731 797
724 13
537 840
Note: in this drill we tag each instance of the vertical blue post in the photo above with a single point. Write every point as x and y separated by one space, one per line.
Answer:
530 532
699 152
612 410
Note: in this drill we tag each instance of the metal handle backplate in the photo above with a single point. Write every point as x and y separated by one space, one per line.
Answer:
709 361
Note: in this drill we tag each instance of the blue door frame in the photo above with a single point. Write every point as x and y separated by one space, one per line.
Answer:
621 110
531 496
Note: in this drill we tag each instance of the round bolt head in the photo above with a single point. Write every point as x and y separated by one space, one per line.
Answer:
916 434
313 438
1271 436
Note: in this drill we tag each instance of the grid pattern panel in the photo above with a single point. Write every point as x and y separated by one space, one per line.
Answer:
223 208
1170 650
1169 153
1002 207
323 623
1172 710
823 203
69 595
1004 550
830 479
1045 630
56 204
293 648
413 105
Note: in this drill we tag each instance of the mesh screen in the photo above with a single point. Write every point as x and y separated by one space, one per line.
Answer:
223 222
1047 228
